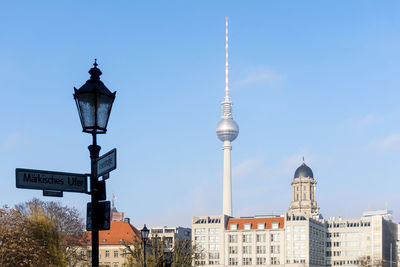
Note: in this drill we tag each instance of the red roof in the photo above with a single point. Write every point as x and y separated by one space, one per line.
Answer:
120 232
254 222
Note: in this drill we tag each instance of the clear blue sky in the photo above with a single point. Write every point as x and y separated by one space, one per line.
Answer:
313 78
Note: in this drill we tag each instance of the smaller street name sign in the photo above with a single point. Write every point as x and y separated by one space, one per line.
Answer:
107 162
52 181
51 193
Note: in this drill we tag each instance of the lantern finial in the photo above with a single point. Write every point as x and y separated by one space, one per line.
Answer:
95 72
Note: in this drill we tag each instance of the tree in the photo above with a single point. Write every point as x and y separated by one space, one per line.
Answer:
68 225
157 255
38 233
20 247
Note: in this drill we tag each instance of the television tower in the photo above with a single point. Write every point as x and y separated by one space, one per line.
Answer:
227 131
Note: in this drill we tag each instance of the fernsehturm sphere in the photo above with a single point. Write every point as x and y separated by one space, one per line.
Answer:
227 131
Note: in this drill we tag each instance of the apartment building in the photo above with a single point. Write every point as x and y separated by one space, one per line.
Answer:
170 234
299 238
254 241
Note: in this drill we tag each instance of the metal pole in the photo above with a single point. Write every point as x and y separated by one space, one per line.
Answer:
94 154
391 254
144 253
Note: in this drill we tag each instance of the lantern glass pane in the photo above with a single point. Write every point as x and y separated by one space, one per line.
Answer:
104 104
87 110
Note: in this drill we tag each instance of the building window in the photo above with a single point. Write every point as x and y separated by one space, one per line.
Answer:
115 253
261 226
233 250
261 250
297 196
107 253
275 237
233 239
275 249
247 261
304 196
247 226
275 225
233 261
247 238
260 237
246 249
213 231
233 226
261 260
157 231
274 260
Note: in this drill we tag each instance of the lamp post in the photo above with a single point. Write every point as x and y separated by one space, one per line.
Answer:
1 244
94 102
145 237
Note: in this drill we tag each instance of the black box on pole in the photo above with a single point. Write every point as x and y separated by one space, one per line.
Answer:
104 216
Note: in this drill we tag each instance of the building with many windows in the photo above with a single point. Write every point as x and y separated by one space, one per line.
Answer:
299 238
170 234
112 244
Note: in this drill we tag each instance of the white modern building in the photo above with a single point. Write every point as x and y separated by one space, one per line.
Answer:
299 238
170 234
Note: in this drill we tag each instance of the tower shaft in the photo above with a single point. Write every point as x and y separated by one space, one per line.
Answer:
227 193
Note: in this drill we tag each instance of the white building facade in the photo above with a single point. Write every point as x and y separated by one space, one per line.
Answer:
170 234
299 238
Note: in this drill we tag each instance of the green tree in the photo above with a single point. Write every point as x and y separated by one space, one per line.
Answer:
69 229
38 233
20 247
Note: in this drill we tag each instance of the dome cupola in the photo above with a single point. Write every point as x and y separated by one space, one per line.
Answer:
303 171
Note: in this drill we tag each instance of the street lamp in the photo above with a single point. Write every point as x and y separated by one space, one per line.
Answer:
145 237
1 243
94 102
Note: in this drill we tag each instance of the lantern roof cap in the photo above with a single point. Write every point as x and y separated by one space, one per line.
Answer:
94 84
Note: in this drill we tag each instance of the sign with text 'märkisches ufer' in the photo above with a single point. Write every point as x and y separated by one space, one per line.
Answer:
50 180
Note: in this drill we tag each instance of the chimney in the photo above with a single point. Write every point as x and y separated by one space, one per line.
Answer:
127 220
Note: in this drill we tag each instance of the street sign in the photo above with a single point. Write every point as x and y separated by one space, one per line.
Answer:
49 180
107 162
51 193
103 212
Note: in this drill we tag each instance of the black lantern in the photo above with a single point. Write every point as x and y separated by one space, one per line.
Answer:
145 233
94 102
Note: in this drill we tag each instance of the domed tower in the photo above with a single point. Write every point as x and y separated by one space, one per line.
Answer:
227 131
304 200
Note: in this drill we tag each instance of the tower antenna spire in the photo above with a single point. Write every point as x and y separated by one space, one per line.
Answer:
226 64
